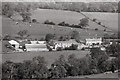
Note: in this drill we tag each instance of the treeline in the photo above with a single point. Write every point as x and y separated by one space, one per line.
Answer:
8 8
96 62
83 23
81 6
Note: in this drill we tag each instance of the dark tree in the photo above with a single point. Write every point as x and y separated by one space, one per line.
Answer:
48 37
23 33
24 11
75 35
7 9
34 20
100 56
58 69
96 29
84 22
26 16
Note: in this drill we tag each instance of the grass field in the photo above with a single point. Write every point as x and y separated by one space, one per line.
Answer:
50 57
108 19
57 16
102 75
38 30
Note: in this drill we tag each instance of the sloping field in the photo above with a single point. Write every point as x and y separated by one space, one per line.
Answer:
108 19
50 57
37 30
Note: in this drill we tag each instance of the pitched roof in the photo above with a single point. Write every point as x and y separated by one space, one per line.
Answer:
13 42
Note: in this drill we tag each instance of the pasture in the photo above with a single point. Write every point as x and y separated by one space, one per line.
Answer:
38 30
108 19
50 57
57 16
101 76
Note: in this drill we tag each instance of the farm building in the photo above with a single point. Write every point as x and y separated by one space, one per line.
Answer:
93 41
15 44
65 44
38 42
36 46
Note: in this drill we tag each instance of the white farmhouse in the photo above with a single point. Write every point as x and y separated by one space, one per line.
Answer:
91 41
64 44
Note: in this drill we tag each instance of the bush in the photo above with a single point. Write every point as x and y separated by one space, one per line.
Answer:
48 37
62 24
75 26
7 9
84 22
49 22
96 29
104 29
94 20
75 35
99 23
59 49
34 20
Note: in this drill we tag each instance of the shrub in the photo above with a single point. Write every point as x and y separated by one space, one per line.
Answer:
75 26
96 29
59 49
48 37
99 23
84 22
104 29
23 33
75 35
62 23
26 16
34 20
7 9
94 20
49 22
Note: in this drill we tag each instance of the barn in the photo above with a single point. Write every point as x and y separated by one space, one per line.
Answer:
14 43
36 46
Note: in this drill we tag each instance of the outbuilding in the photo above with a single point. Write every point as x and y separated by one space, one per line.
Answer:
14 43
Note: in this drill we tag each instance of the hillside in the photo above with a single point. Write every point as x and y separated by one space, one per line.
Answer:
38 30
108 19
